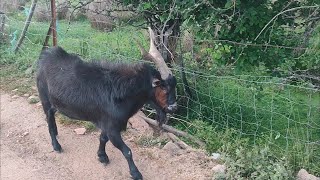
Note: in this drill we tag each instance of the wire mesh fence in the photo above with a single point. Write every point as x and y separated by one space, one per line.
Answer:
284 114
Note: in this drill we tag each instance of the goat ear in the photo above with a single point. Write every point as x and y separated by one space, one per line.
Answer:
155 82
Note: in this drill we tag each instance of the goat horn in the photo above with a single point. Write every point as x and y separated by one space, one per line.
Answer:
157 58
154 56
145 55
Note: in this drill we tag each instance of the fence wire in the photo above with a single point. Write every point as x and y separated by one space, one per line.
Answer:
285 115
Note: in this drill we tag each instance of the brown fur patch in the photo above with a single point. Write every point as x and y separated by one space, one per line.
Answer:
161 97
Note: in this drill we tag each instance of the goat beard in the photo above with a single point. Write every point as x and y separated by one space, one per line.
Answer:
161 117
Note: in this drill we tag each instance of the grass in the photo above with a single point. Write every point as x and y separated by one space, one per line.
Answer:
150 141
256 111
64 120
283 116
78 38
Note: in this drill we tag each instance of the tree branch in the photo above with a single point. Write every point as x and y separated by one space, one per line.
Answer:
292 9
174 131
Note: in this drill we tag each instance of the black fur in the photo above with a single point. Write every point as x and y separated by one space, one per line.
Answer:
105 93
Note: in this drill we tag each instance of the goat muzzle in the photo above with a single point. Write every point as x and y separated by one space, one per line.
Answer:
172 108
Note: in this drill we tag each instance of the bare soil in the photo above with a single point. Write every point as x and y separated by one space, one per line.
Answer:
26 152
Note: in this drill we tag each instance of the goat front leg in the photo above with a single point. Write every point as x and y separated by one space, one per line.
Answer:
102 155
116 140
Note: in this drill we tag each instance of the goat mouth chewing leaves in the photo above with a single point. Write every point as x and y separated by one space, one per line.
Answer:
172 108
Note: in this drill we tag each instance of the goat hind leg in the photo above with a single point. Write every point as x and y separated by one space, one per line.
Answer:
115 138
53 129
102 155
54 125
49 111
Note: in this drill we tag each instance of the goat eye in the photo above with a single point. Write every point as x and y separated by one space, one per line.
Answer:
163 88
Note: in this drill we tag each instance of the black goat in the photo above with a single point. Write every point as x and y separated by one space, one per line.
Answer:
107 94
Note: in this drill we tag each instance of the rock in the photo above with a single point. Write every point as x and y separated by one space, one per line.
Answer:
25 134
29 71
172 148
26 95
304 175
215 156
219 168
33 99
80 131
15 96
39 104
10 133
15 90
34 88
177 141
139 124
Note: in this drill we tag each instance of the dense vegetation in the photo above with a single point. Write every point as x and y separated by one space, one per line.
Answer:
254 97
280 31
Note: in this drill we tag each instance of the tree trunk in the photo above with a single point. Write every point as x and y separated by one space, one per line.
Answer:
167 40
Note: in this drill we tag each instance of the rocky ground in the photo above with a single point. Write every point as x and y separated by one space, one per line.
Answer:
26 151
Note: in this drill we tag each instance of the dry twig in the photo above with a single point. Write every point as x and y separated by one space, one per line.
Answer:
174 131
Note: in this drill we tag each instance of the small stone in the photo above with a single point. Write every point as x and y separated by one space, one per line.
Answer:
15 90
172 148
25 134
304 175
9 133
15 96
219 168
33 99
215 156
26 95
177 141
29 71
39 104
80 131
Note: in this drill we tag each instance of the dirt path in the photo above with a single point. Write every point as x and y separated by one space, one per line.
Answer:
26 152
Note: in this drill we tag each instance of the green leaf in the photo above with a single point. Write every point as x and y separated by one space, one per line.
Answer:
147 5
228 4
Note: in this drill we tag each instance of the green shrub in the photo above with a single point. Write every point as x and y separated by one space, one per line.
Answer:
257 162
242 159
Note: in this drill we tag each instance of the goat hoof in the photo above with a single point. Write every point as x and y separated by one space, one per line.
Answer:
104 159
57 148
136 175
